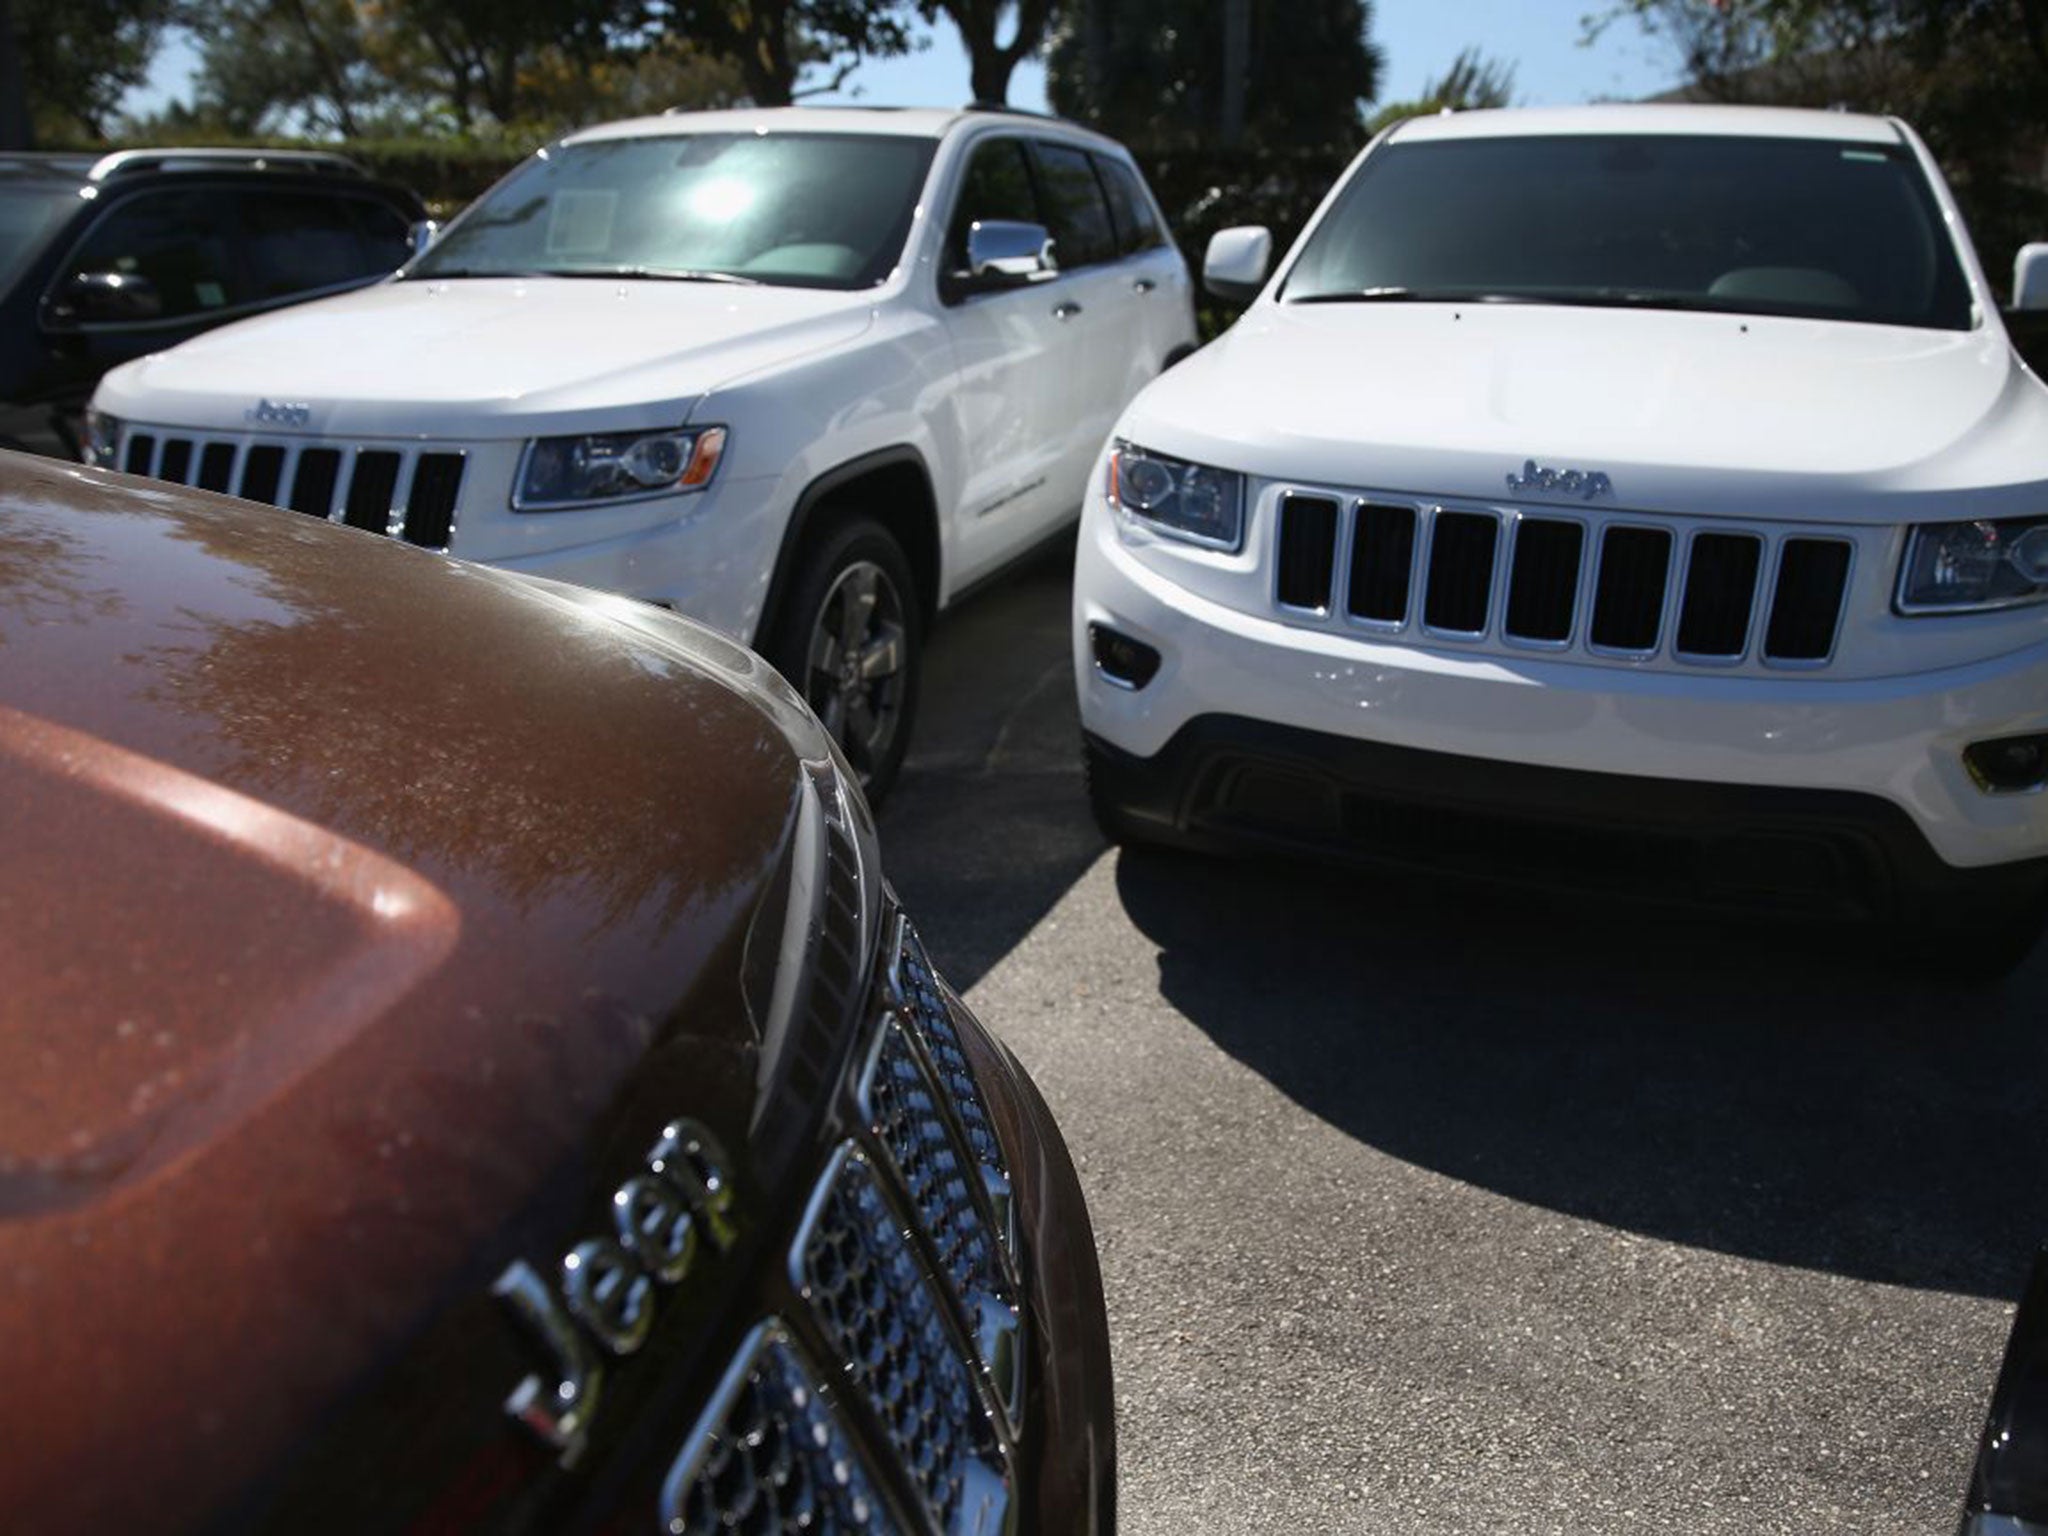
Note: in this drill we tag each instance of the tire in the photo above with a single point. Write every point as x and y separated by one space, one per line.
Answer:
850 639
1099 774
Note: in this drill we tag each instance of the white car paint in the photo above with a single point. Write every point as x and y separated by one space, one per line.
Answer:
1702 422
1003 401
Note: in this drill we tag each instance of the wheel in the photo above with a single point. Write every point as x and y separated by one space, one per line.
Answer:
849 640
1099 775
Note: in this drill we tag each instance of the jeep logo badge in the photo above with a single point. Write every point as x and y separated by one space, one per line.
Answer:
1587 485
278 413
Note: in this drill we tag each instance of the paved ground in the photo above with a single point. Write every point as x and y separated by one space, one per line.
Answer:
1441 1210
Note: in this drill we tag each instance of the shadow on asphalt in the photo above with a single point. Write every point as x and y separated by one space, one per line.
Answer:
1749 1089
987 827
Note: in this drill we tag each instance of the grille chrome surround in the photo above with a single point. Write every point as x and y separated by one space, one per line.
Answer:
883 1318
904 1109
407 491
915 991
1386 580
770 1456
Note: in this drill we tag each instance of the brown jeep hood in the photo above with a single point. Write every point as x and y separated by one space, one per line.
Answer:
343 886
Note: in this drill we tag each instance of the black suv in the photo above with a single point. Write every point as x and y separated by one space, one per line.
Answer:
106 259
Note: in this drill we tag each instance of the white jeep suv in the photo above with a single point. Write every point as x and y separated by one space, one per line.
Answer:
1633 496
802 374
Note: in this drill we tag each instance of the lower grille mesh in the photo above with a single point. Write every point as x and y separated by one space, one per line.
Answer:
771 1458
925 1006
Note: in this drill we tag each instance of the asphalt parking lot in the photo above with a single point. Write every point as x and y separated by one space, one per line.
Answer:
1452 1209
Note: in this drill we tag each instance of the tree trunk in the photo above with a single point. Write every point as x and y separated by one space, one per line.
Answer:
1237 39
17 126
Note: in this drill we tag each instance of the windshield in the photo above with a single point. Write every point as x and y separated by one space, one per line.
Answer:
1744 225
27 215
797 209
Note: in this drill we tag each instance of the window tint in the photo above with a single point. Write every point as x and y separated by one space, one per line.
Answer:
1081 230
1831 230
29 215
997 186
386 232
807 210
182 241
299 242
1136 227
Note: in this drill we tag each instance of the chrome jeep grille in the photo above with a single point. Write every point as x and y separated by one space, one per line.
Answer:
887 1323
1602 586
770 1456
408 493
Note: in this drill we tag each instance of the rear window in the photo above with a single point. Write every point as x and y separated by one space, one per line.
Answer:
181 241
1844 231
300 242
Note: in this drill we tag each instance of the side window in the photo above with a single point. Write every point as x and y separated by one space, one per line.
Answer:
1081 229
182 241
386 232
997 186
297 242
1137 229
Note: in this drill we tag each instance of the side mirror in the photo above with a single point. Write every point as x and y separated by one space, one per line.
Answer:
1002 253
104 298
2009 1488
1235 267
424 234
2030 277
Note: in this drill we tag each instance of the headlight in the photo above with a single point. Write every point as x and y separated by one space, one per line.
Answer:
1962 567
570 471
102 438
1188 501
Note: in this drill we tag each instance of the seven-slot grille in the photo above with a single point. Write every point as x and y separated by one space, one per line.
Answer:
1529 578
905 1266
407 493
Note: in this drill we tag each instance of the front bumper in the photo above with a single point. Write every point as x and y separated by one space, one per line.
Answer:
1895 740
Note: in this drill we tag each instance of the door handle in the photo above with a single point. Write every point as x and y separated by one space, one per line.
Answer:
1065 311
1144 285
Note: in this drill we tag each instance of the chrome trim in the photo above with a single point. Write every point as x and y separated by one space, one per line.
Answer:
560 1411
1408 618
1812 664
1421 607
1664 613
1581 587
1336 543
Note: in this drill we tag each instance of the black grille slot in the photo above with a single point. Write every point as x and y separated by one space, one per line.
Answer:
177 460
141 449
1628 605
1543 587
1807 603
1308 551
1460 572
261 471
313 485
369 491
1382 555
217 467
1720 591
430 508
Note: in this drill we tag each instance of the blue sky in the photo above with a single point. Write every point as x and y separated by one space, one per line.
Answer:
1419 38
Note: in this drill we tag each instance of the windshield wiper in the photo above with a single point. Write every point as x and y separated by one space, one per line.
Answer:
1396 295
658 274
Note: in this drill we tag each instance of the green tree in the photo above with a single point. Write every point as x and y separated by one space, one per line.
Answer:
773 42
1472 83
66 64
1175 71
991 60
282 66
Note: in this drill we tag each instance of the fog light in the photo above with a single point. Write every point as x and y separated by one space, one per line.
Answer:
2009 765
1126 662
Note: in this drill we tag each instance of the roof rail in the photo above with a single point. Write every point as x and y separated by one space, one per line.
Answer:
314 161
1004 106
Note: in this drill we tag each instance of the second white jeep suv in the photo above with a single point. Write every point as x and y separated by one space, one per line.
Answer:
1621 495
802 374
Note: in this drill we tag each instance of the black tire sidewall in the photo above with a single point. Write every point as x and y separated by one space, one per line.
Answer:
828 553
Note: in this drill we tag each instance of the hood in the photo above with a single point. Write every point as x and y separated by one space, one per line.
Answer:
348 890
477 357
1683 412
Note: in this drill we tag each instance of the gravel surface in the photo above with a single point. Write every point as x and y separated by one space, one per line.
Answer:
1459 1209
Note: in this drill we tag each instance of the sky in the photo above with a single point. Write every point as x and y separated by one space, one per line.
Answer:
1540 38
